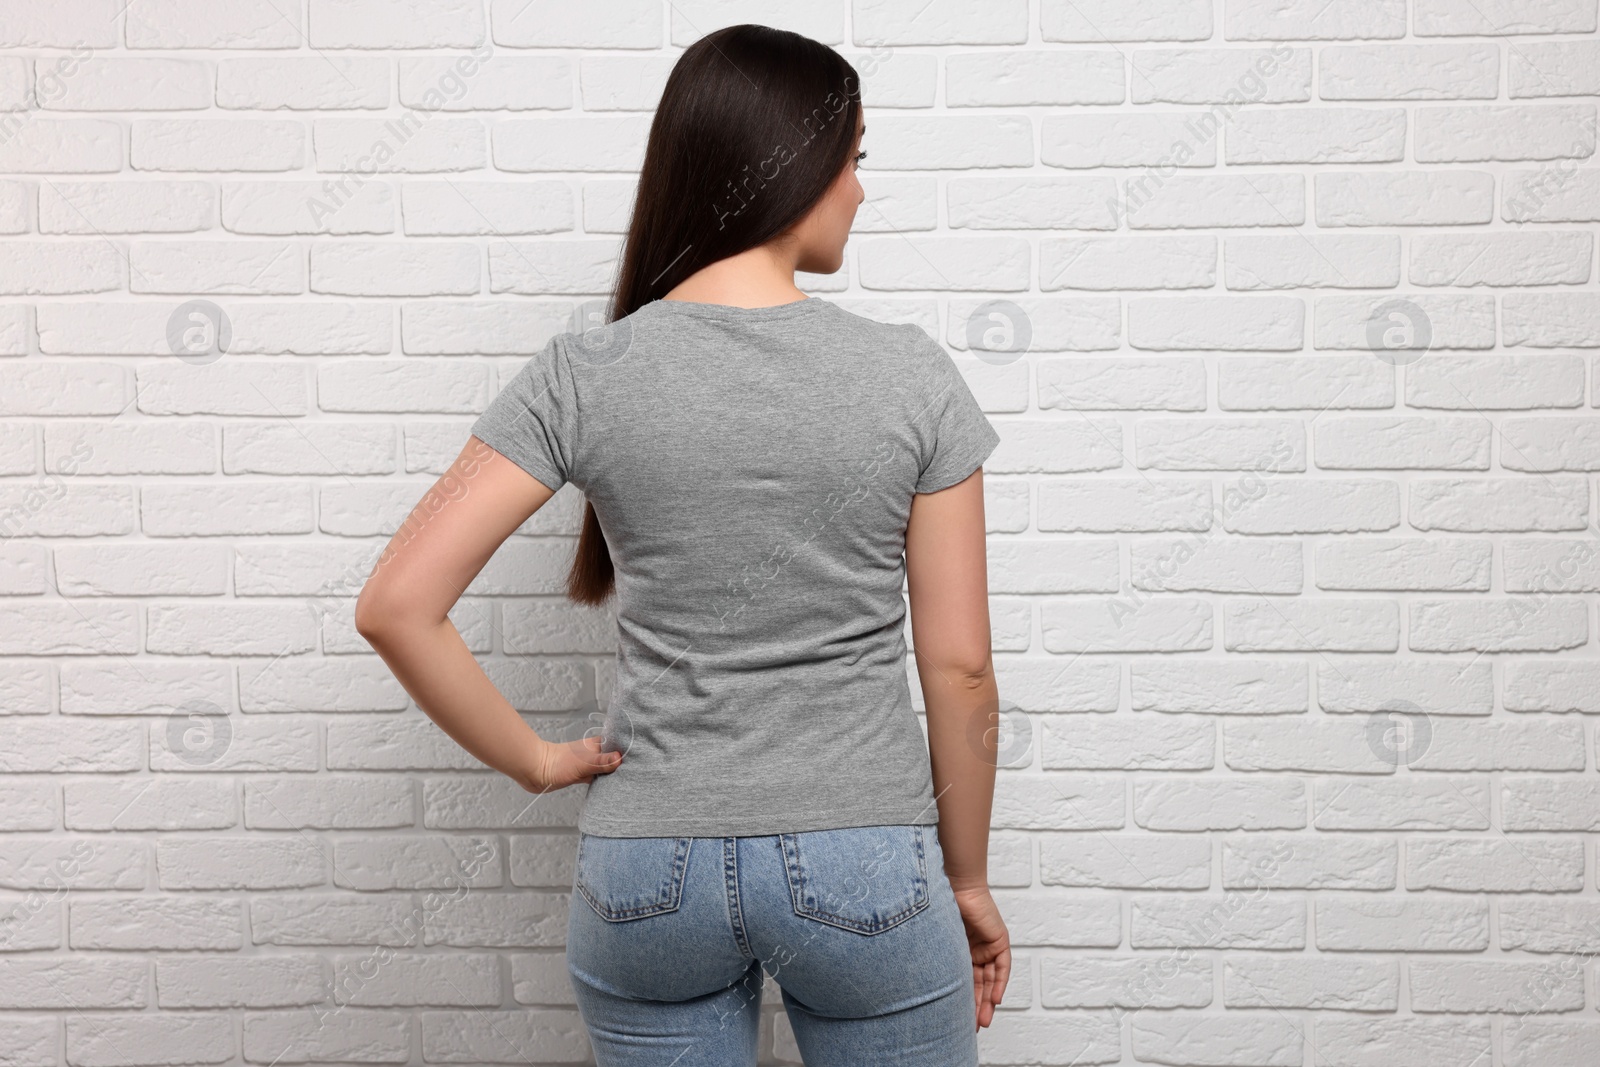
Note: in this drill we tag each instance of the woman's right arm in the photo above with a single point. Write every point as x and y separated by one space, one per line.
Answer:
947 579
403 612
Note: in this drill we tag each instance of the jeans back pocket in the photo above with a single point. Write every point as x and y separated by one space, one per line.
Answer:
626 878
859 878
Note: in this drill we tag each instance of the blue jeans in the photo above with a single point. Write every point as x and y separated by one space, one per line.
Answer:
668 938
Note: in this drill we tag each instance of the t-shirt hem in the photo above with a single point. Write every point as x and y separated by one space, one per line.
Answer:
924 814
546 475
973 458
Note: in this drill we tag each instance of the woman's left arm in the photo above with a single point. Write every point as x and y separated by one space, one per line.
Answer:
403 614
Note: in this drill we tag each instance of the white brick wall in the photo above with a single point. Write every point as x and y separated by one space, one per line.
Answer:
1287 313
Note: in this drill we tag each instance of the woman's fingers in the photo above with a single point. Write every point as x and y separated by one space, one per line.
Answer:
579 761
988 981
601 762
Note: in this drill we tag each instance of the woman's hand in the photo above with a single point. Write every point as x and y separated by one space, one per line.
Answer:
991 949
555 765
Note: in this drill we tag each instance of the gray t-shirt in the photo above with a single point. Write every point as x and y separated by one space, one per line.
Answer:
753 470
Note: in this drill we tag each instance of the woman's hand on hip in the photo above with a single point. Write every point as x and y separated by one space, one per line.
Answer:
555 765
991 949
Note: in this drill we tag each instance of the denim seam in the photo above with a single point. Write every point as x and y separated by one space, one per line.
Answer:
672 901
730 878
796 872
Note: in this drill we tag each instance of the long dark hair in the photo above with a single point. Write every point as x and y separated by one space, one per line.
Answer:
753 127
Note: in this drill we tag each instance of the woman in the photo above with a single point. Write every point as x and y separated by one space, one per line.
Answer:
756 463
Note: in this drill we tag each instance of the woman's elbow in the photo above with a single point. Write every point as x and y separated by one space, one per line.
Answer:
377 612
369 618
973 670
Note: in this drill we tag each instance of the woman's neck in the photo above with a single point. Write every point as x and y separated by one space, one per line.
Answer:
758 277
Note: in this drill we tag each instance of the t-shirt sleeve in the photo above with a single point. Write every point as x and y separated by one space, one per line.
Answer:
958 437
532 420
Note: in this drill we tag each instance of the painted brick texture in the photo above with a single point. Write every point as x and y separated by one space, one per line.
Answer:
1287 313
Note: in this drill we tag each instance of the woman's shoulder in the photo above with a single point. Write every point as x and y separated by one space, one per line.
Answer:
905 339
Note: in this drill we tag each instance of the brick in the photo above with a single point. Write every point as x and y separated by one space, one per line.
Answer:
484 208
125 207
1098 21
583 144
1549 804
1351 922
1336 262
1551 685
487 1037
1473 985
1553 68
553 24
1443 321
62 26
1113 625
1109 505
1450 18
1129 139
1179 1037
189 144
1125 861
1558 192
303 83
1371 1042
1216 76
1186 921
167 923
1331 861
1556 1044
348 1034
1323 506
128 1041
1506 382
1404 198
1479 505
213 862
1366 686
415 862
1314 20
1410 72
1057 802
1326 625
1550 320
987 263
76 983
1328 746
1505 259
1235 324
332 206
240 982
1098 263
1123 982
1153 201
1317 135
1501 624
1471 134
1169 803
1047 203
104 83
1405 803
1495 866
1018 78
501 83
1218 565
1318 383
1342 985
1245 687
942 22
